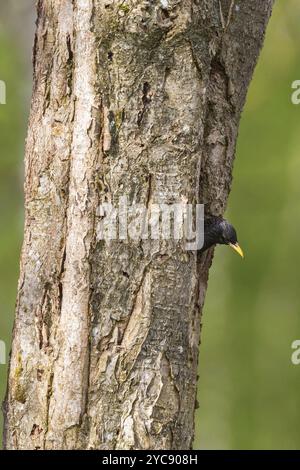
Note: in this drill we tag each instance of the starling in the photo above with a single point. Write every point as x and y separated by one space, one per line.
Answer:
218 231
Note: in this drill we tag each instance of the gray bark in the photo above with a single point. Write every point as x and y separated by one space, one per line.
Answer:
141 98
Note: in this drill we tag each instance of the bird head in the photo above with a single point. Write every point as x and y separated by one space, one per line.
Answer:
227 236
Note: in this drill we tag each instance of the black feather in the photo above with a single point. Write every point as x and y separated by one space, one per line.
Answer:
217 231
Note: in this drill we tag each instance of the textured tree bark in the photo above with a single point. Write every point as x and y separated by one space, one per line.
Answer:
136 98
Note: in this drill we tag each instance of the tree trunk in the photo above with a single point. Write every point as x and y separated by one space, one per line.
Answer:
135 98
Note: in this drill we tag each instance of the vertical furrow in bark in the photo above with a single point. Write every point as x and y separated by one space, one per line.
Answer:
70 380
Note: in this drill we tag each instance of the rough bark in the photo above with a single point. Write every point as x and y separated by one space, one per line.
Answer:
133 97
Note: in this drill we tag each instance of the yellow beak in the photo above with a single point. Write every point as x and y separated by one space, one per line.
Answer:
237 248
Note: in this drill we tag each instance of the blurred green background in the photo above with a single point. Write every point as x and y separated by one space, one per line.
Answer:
249 391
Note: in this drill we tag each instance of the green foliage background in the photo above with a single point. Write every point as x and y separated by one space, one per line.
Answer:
248 389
